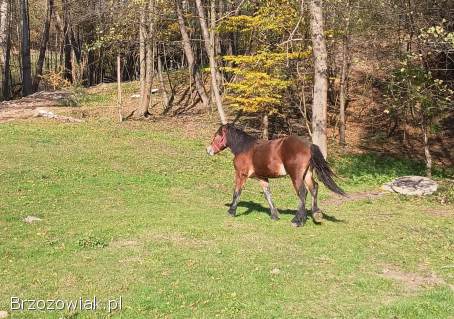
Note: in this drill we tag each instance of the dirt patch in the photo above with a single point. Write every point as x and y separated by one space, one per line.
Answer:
440 212
412 281
181 240
124 243
352 197
36 105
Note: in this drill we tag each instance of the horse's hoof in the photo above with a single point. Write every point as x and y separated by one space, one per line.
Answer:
318 217
231 214
275 218
297 223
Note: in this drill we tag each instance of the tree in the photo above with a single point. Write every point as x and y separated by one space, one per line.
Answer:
210 49
189 53
320 96
343 94
44 41
413 93
6 20
27 87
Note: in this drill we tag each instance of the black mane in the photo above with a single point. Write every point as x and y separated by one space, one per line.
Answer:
238 140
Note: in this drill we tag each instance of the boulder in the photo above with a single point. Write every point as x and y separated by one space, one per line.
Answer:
412 185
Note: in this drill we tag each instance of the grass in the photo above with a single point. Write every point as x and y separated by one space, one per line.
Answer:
137 211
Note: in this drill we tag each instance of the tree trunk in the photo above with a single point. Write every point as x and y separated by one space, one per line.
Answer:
27 87
212 59
4 9
343 94
142 56
67 43
214 40
320 97
7 55
265 126
165 96
427 149
43 48
189 53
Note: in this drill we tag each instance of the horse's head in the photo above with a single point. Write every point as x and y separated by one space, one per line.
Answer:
219 141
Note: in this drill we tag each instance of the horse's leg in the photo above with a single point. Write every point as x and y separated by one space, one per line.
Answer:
312 186
301 215
240 180
266 191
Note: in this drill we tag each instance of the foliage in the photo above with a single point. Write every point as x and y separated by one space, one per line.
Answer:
91 242
260 80
55 80
261 77
415 93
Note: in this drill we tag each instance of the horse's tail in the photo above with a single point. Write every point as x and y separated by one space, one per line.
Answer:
324 172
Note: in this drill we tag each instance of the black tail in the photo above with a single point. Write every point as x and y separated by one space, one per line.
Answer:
324 172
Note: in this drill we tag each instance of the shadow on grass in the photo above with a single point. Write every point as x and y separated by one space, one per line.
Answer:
252 207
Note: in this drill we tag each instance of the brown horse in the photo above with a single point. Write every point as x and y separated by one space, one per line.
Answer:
271 159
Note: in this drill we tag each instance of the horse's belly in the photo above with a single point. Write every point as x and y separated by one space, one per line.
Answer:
272 170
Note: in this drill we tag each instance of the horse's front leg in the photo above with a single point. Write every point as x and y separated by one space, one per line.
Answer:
240 180
267 192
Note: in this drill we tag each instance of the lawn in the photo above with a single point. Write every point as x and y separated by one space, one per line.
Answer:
138 211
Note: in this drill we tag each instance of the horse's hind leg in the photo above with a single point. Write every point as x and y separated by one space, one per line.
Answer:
312 186
267 193
301 215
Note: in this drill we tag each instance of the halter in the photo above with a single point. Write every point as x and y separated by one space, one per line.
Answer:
220 145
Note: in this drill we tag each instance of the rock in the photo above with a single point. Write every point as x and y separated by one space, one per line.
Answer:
275 271
31 219
412 185
3 314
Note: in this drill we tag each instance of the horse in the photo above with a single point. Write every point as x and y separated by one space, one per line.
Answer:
263 159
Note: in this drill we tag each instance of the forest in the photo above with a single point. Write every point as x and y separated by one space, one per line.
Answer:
107 112
289 66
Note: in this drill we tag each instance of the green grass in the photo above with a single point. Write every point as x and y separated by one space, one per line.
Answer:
138 212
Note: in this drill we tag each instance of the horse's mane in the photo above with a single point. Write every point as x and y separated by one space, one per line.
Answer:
238 140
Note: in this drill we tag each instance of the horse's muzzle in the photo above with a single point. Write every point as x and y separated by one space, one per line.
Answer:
210 150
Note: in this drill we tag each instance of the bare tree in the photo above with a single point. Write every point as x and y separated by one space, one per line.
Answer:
43 48
67 51
3 28
6 48
209 47
27 88
343 94
320 97
189 53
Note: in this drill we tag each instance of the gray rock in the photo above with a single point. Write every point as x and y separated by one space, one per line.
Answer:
31 219
412 185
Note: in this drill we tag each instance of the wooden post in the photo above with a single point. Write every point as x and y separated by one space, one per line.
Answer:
119 98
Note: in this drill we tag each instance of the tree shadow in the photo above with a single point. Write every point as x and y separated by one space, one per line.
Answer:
255 207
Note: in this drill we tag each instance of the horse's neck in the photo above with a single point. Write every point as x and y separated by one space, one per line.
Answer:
243 144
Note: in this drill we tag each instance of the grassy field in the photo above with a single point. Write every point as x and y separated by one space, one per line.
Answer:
138 210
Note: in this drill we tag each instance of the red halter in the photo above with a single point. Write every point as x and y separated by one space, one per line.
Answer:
218 146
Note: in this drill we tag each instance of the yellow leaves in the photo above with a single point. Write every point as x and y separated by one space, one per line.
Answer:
240 23
265 59
265 19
